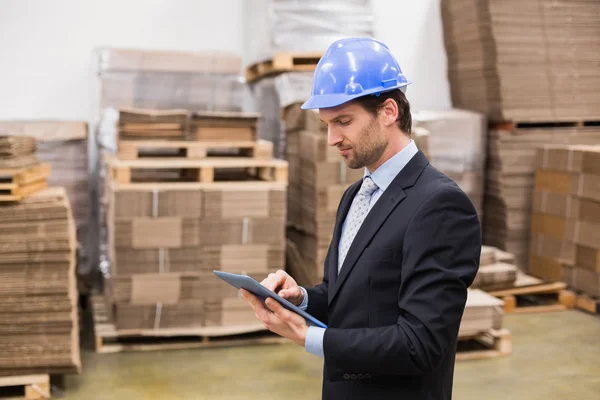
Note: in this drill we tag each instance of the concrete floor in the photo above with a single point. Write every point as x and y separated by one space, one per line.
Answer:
556 356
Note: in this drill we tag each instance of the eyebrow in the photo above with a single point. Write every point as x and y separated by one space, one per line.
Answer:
339 117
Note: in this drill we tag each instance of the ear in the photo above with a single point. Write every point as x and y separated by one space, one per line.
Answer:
389 112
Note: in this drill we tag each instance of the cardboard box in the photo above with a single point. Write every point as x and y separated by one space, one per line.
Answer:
157 316
588 258
587 281
547 269
482 313
560 250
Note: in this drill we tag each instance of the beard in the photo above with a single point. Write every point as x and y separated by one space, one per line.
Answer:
370 149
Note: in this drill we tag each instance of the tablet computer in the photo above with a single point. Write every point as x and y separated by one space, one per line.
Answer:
245 282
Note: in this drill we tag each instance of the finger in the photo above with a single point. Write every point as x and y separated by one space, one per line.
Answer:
250 298
281 278
277 309
270 282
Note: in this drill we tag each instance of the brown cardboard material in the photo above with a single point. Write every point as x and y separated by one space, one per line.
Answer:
148 233
549 225
587 186
556 182
557 204
560 250
545 268
38 288
217 232
510 181
155 288
584 233
588 258
129 204
587 281
482 313
316 149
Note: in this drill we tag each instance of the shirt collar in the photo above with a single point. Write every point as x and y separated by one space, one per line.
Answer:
385 174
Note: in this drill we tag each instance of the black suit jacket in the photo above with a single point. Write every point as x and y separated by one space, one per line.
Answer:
395 308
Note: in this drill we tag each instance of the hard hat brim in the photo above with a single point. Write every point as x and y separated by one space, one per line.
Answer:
334 100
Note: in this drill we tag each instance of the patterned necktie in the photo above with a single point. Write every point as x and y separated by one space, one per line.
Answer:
357 214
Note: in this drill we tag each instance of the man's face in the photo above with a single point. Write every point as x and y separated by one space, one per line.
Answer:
356 133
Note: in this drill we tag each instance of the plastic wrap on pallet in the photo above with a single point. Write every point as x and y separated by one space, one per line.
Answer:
293 87
269 127
209 80
303 25
457 146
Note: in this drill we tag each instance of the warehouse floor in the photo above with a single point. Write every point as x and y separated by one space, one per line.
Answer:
555 356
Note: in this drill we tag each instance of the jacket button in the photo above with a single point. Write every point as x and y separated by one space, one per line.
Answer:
346 376
353 376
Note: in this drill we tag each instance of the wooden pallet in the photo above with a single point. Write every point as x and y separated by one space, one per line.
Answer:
31 387
558 123
18 183
490 344
135 149
541 297
110 340
200 170
588 304
282 62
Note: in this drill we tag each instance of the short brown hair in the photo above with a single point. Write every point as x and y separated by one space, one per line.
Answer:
372 104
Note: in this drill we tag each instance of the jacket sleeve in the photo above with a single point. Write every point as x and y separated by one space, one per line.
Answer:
441 252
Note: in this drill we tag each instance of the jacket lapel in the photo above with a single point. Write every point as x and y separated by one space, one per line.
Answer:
337 233
380 211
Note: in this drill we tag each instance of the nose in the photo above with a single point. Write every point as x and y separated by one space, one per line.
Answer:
333 138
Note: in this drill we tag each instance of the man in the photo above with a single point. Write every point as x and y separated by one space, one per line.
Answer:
405 248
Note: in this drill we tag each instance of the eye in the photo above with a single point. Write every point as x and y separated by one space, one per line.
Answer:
344 123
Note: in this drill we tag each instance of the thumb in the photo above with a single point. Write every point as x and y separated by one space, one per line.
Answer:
284 293
273 305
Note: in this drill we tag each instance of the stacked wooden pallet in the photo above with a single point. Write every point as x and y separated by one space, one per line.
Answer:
38 293
174 218
566 217
21 172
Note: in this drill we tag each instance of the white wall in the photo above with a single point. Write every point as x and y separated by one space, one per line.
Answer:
412 29
46 46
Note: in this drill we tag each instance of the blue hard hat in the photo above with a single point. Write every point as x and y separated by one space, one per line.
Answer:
352 68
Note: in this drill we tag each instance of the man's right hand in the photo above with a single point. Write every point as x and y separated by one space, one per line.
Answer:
285 286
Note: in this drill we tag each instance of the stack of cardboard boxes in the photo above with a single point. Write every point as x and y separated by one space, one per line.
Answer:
38 292
496 270
510 182
565 245
165 238
531 68
524 60
64 146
